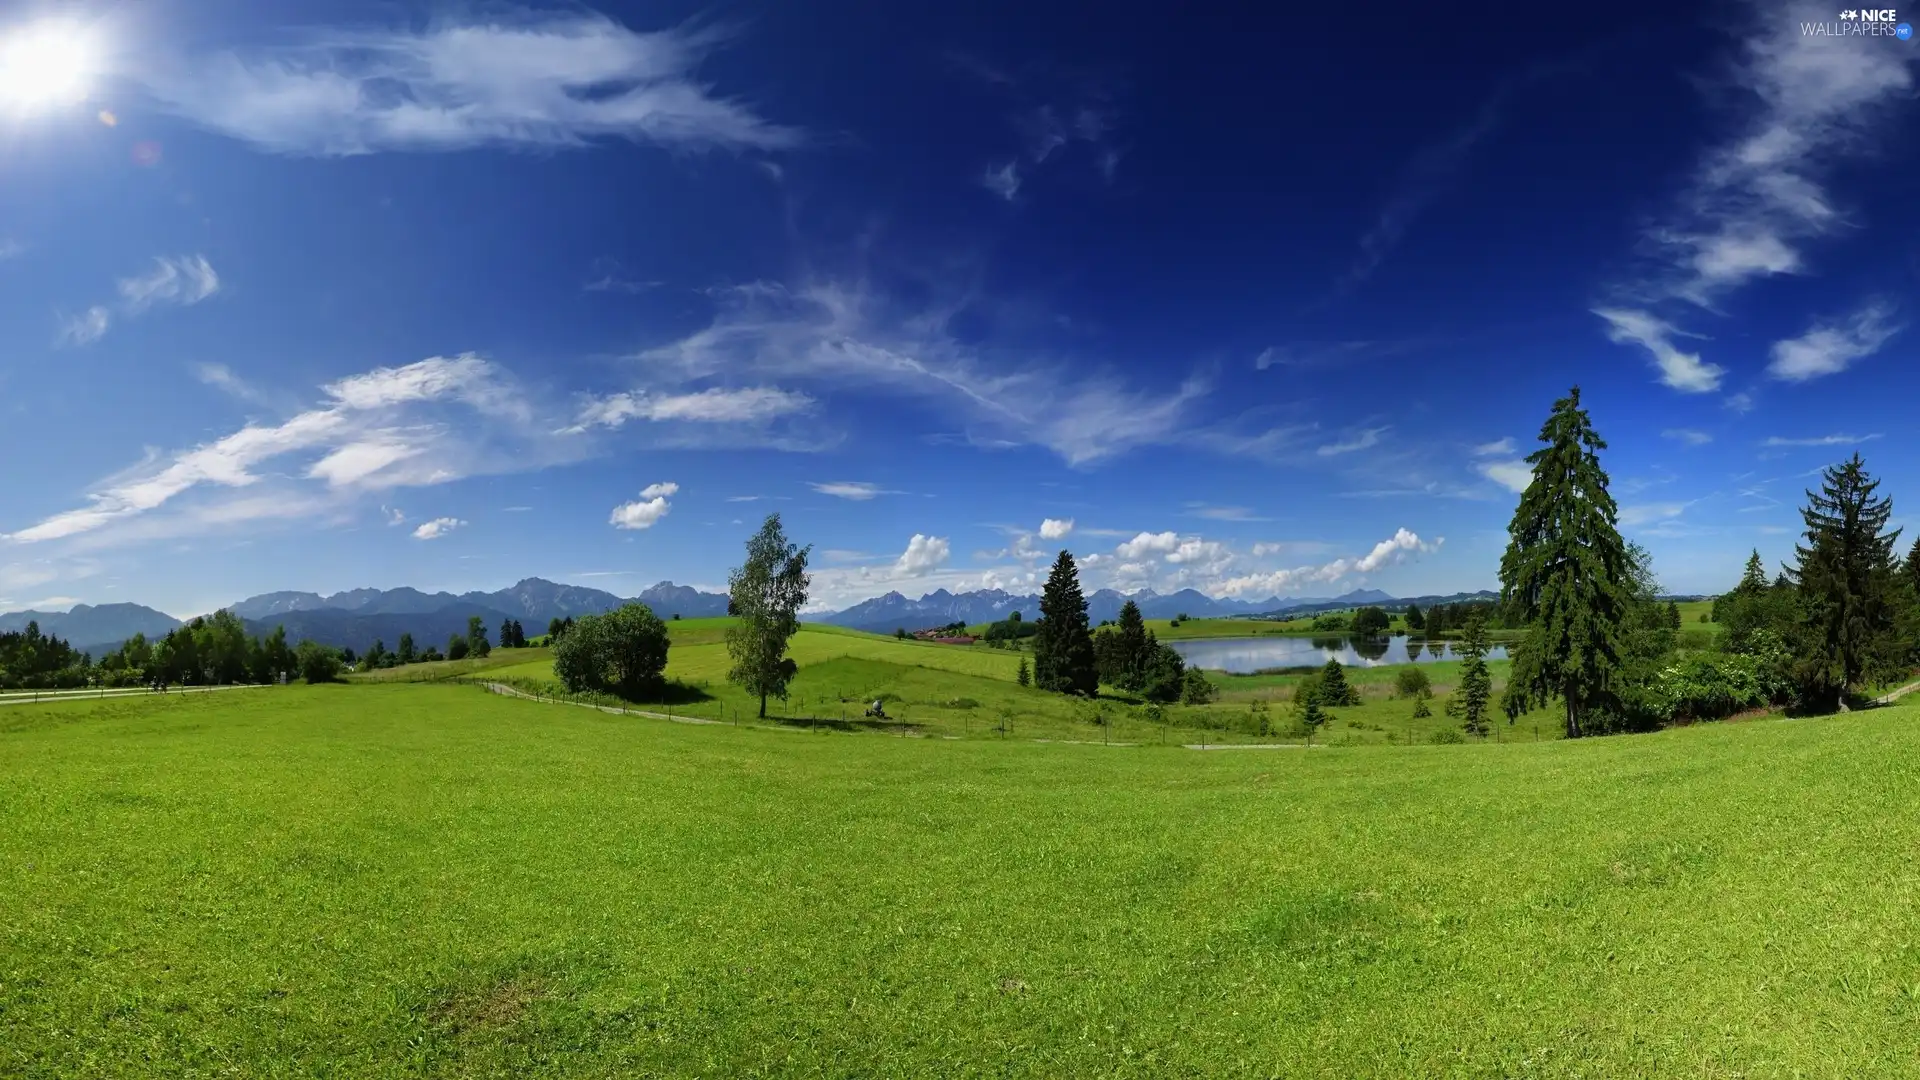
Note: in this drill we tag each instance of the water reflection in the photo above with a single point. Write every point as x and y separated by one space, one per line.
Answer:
1246 655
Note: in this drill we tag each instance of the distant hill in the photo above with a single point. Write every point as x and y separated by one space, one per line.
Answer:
91 628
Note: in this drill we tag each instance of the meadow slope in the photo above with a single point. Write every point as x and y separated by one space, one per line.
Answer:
406 880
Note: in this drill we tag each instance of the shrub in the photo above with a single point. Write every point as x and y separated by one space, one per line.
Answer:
622 652
1412 682
1447 736
963 703
1195 688
317 662
1420 710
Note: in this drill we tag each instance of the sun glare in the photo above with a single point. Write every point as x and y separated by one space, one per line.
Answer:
48 63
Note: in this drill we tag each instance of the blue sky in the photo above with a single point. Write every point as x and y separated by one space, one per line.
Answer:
1254 303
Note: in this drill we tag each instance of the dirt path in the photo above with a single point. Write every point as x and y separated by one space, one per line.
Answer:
508 691
1888 699
48 697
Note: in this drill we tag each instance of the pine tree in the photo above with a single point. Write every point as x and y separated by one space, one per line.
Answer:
1754 580
1024 676
1132 645
1475 692
1565 573
1334 688
1846 581
1063 649
1415 620
1306 709
1673 615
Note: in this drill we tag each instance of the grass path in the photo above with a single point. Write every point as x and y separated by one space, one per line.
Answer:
1888 699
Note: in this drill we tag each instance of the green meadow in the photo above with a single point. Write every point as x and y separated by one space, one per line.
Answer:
970 691
431 880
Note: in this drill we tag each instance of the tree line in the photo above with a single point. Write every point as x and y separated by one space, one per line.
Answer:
1596 642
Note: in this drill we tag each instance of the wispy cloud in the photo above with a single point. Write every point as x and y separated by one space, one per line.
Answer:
855 490
1831 347
1687 435
185 279
1681 370
1002 180
180 280
1756 200
222 377
1513 475
85 328
377 430
11 248
1360 440
848 337
1649 513
1223 513
1500 447
536 79
437 528
747 405
1820 440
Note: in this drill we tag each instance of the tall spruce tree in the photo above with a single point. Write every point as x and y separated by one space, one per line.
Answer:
1132 645
1565 573
1847 587
1063 649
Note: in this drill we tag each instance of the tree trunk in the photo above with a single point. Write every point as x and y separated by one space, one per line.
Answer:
1573 721
763 706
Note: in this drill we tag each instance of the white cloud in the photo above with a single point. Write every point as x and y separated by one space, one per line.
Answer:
1683 371
536 80
846 335
222 377
1829 348
376 431
1003 181
1359 441
856 490
1821 440
660 490
1513 475
1395 549
1056 528
1741 402
85 328
185 279
1688 436
1148 544
393 515
1501 447
357 461
923 554
748 405
1223 513
437 528
639 515
1199 552
1648 513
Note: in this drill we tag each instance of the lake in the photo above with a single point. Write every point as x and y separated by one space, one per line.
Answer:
1242 656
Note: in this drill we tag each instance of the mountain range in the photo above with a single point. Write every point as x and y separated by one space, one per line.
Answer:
358 617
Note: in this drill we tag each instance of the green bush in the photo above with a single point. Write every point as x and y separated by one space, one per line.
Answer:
318 663
622 652
1412 682
1447 736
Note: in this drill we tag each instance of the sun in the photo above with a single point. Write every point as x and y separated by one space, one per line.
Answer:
46 63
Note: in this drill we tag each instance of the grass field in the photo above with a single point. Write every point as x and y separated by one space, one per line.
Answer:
950 690
433 881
